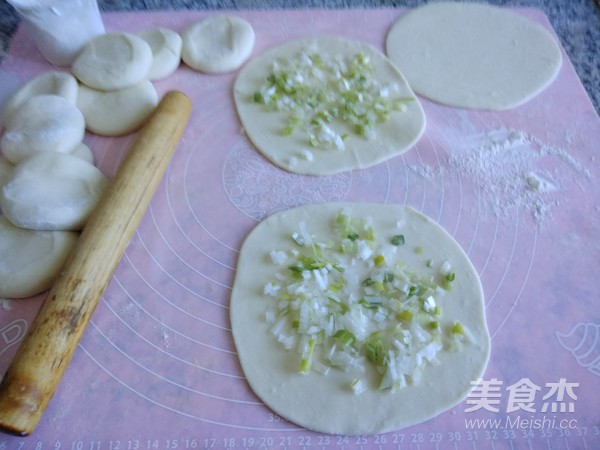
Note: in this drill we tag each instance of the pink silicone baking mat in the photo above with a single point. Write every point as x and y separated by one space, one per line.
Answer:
157 368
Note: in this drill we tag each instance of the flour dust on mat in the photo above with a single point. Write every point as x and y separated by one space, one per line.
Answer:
513 172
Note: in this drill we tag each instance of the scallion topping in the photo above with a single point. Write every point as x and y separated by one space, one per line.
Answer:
398 240
352 302
327 97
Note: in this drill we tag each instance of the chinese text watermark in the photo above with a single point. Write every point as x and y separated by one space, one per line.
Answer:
522 397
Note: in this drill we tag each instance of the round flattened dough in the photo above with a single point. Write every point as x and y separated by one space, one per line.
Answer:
401 131
31 259
115 113
113 61
326 403
58 83
6 169
166 51
473 55
52 191
217 44
84 152
43 123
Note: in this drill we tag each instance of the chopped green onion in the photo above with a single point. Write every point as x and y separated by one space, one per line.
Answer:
433 325
353 236
405 315
398 240
319 308
379 260
457 328
258 98
321 90
306 361
375 349
345 337
372 302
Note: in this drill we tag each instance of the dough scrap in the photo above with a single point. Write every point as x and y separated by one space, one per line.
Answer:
31 259
166 51
217 44
58 83
113 61
327 403
52 191
115 113
43 123
295 153
473 56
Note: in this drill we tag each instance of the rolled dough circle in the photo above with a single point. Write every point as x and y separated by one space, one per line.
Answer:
166 51
217 44
473 55
44 123
115 113
58 83
326 403
31 259
52 191
263 126
113 61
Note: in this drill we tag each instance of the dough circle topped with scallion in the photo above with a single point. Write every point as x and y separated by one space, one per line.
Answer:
324 105
355 318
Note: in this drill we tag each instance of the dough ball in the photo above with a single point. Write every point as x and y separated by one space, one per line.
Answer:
62 84
52 191
6 169
473 55
84 152
166 51
43 123
217 44
31 259
115 113
113 61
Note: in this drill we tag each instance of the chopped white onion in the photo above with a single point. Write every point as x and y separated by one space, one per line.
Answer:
346 310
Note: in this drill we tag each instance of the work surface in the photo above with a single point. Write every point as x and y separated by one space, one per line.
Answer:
577 23
157 367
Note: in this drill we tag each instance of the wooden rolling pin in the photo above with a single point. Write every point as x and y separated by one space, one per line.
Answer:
55 333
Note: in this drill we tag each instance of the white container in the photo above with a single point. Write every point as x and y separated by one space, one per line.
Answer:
60 28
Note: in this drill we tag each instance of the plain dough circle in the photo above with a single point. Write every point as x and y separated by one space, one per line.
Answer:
325 403
115 113
113 61
473 55
217 44
166 51
401 131
58 83
31 259
41 124
52 191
